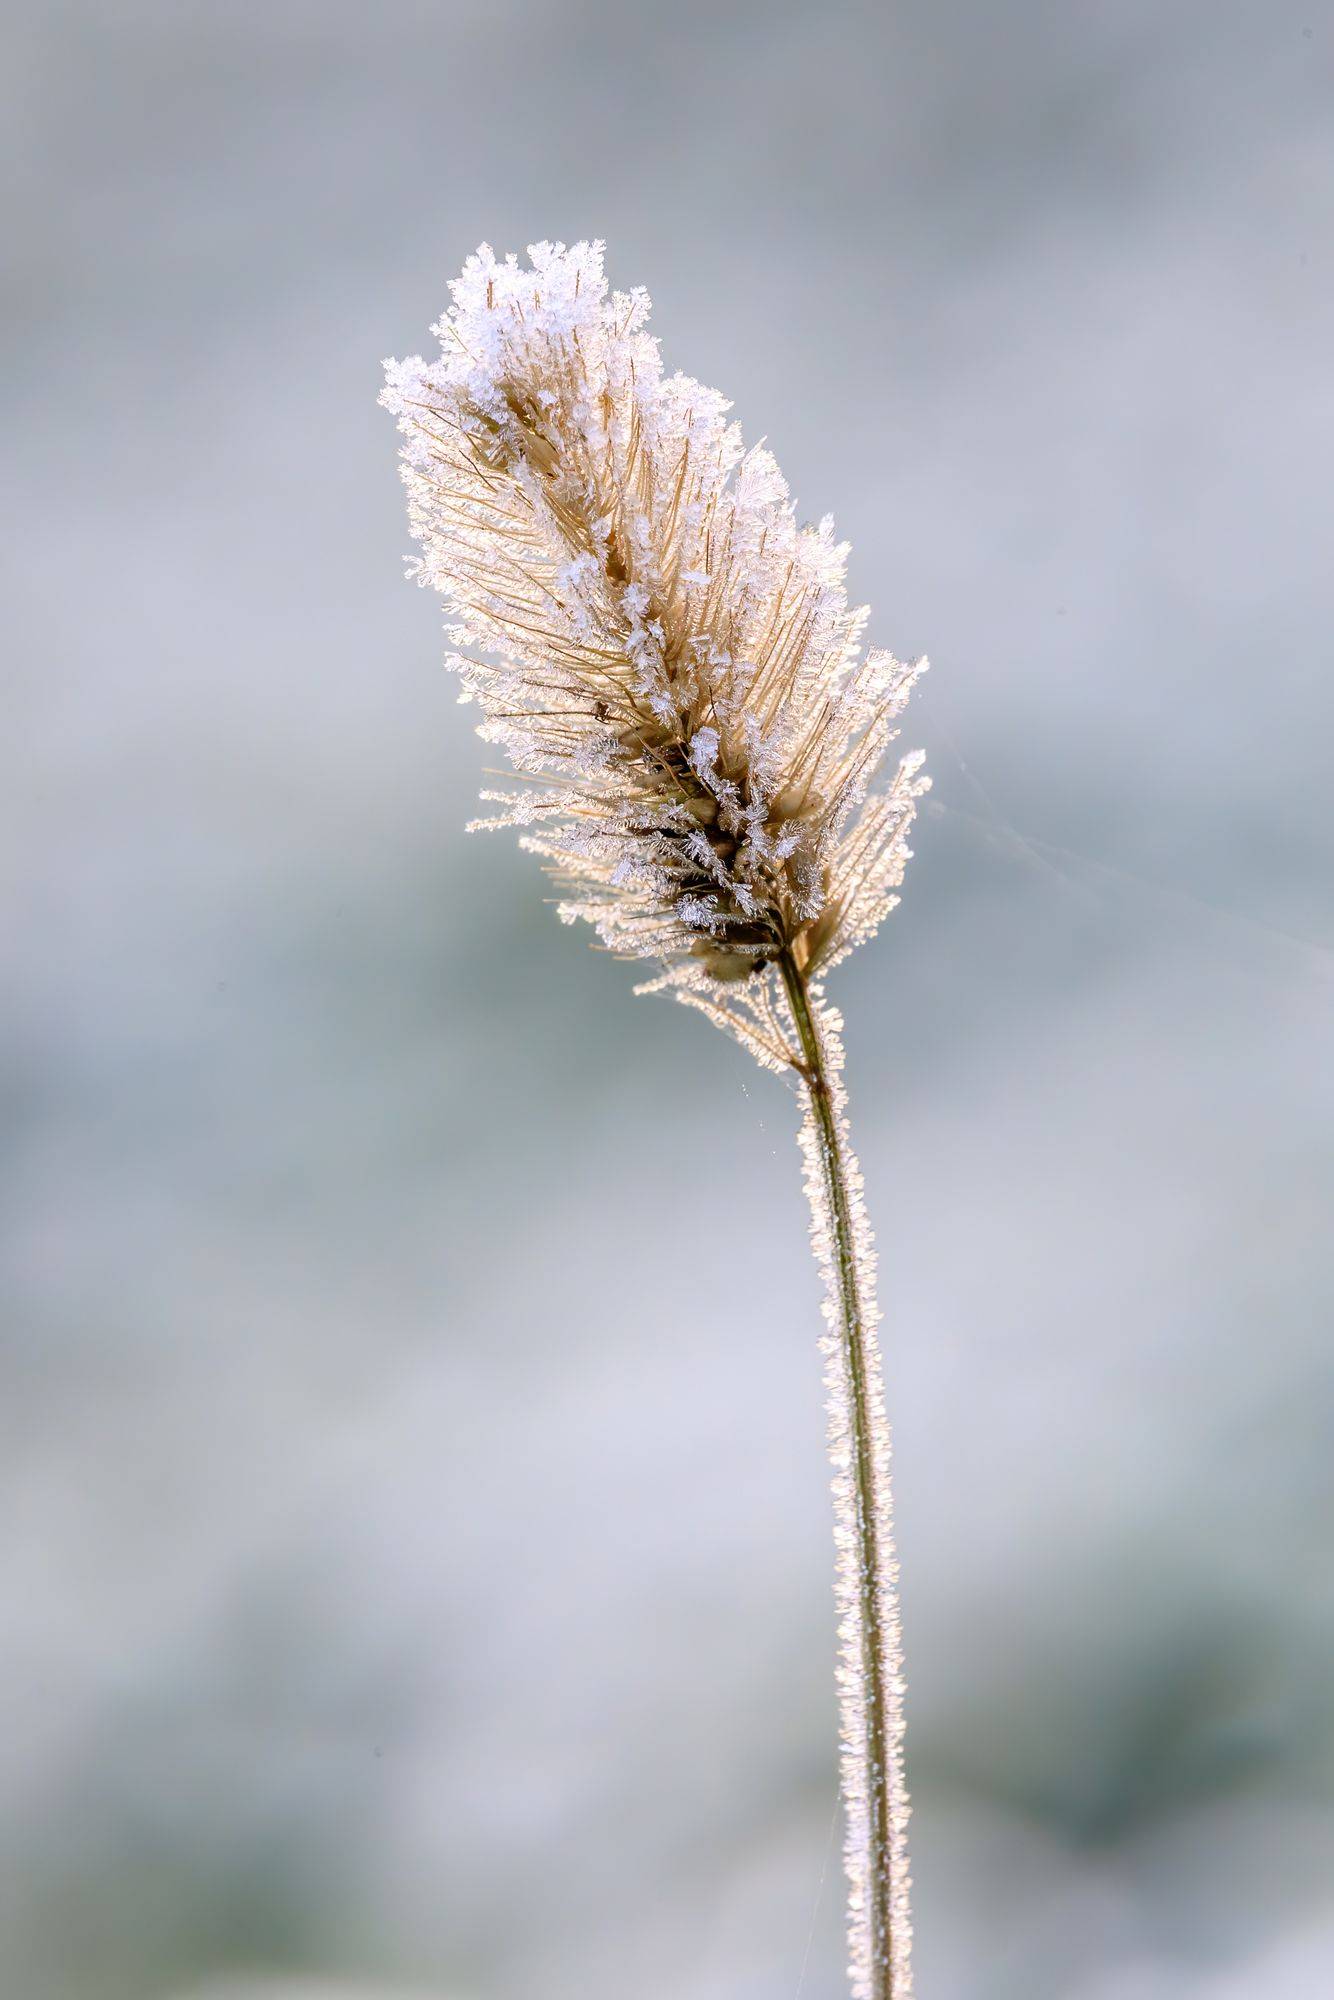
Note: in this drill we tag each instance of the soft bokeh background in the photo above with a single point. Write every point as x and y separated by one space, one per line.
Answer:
415 1541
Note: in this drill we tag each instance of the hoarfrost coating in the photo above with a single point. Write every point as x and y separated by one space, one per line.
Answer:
658 646
672 665
870 1641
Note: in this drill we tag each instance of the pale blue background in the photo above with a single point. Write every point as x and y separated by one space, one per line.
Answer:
414 1532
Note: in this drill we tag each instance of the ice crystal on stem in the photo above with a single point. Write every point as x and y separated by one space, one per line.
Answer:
672 666
870 1665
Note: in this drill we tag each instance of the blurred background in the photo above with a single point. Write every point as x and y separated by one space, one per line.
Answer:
416 1564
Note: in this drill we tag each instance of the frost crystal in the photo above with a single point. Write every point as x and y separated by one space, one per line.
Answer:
651 637
870 1662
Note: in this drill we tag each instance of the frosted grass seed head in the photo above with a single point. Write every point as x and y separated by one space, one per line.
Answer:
668 659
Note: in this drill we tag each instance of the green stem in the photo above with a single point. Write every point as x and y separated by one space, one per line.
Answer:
873 1580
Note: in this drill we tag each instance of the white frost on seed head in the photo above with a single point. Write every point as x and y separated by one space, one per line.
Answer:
651 637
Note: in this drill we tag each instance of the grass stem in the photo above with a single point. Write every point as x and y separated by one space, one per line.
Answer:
867 1718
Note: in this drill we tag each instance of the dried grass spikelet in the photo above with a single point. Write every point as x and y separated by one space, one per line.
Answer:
673 668
653 639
